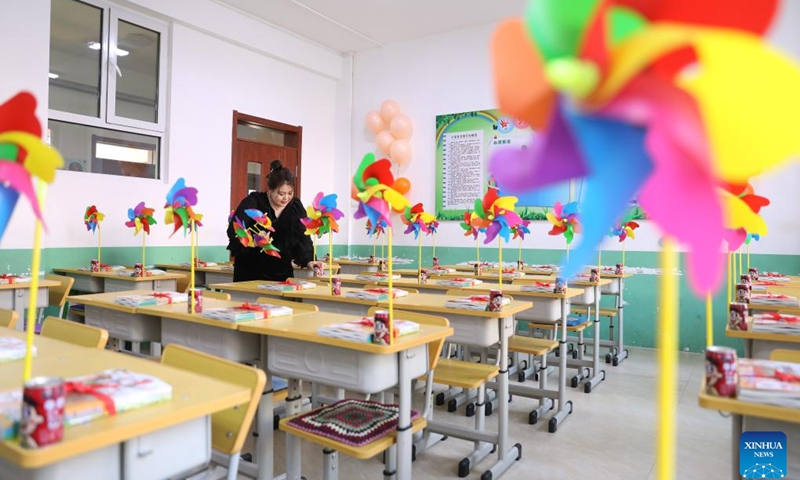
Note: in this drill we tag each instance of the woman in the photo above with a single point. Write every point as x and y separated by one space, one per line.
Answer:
285 211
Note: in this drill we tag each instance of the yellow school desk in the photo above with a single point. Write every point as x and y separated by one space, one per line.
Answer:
99 282
431 287
199 272
355 267
616 341
761 344
293 349
479 328
163 440
215 337
250 291
747 416
16 296
774 308
322 298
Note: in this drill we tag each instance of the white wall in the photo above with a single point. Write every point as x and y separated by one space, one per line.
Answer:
209 78
451 73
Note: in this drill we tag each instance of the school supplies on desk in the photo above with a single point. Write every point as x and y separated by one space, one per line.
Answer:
473 302
363 330
288 286
148 273
269 310
376 277
773 277
8 278
773 322
440 271
769 382
199 263
459 282
773 299
10 413
376 294
12 349
233 314
152 299
510 273
103 268
543 287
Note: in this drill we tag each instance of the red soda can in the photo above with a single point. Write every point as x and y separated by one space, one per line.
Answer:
435 262
138 270
746 278
197 294
319 270
381 335
721 375
495 301
619 269
561 286
336 286
381 266
326 258
42 412
742 293
423 276
477 269
737 316
372 259
753 271
520 265
594 275
95 265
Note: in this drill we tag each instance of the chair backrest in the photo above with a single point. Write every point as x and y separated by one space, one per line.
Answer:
229 428
182 283
217 295
73 332
434 348
8 318
306 307
785 355
58 294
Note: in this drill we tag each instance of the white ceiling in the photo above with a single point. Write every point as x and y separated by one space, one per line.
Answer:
355 25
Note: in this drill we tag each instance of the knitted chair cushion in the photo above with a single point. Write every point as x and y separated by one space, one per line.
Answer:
350 421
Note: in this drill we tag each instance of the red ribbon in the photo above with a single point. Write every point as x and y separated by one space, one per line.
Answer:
509 270
253 307
377 290
786 377
164 295
774 274
763 284
479 298
458 279
9 276
545 284
94 390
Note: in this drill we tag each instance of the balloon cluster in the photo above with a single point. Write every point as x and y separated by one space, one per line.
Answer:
393 130
646 96
140 218
377 191
322 215
92 218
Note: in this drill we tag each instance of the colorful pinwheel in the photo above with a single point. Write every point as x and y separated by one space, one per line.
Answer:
495 215
23 156
417 219
259 235
521 230
604 85
376 190
263 240
322 215
466 225
243 233
565 220
379 230
140 218
261 218
180 200
625 227
92 218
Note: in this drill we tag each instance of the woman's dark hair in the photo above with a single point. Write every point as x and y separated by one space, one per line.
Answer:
279 176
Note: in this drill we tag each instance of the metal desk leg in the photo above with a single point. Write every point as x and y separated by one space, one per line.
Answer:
563 411
266 421
597 374
506 455
738 427
404 437
621 354
294 401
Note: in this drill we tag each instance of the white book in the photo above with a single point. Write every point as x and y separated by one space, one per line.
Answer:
232 314
773 299
542 287
152 299
474 302
12 348
288 286
459 282
364 329
377 277
376 294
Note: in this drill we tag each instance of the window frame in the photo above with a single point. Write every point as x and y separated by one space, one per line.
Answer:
112 13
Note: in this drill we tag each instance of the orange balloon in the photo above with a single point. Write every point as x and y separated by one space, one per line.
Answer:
521 86
402 185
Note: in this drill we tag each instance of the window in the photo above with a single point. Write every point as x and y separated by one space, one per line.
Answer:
107 88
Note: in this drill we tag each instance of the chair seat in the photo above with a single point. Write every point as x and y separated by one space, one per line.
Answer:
345 425
458 373
604 312
570 328
531 345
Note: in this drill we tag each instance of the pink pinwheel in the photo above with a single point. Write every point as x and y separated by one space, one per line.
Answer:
495 215
521 230
180 200
565 220
322 215
140 218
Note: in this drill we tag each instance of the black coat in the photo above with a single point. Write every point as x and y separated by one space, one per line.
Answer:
289 237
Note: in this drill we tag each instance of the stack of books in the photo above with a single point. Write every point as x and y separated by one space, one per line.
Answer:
769 382
376 294
773 277
13 349
774 299
233 314
151 299
363 330
440 270
776 323
288 286
459 282
545 287
509 273
376 277
10 413
268 309
541 269
473 302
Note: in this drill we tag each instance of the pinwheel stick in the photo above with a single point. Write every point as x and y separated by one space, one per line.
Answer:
568 251
741 271
730 299
419 255
35 265
330 260
434 244
191 264
709 321
500 262
99 234
314 237
144 265
520 249
748 257
477 251
374 241
391 285
667 361
599 260
623 253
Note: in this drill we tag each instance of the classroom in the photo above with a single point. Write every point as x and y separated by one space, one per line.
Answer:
328 239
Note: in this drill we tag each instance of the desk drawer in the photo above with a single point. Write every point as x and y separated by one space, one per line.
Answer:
231 344
101 463
167 453
586 299
133 327
340 367
87 284
356 269
544 309
612 288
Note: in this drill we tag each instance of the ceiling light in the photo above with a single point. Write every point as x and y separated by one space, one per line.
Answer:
94 45
52 75
98 46
121 52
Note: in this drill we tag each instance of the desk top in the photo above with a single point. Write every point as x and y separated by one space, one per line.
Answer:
305 329
435 303
187 268
770 336
325 294
179 311
582 282
193 396
27 285
251 286
747 408
106 300
149 278
615 275
516 290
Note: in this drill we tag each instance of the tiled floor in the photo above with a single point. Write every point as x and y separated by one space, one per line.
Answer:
610 435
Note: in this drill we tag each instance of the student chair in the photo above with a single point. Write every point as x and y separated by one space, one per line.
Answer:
229 428
785 355
216 295
8 318
182 282
72 332
57 295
